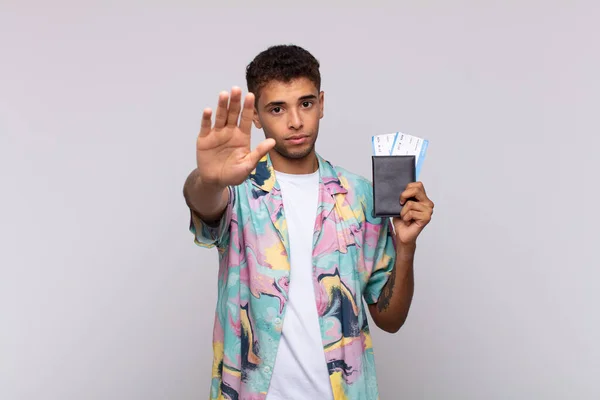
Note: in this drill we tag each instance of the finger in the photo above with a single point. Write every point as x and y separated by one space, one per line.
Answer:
247 114
408 207
221 117
405 209
418 216
259 152
416 205
416 190
423 198
412 193
206 122
417 184
407 216
234 106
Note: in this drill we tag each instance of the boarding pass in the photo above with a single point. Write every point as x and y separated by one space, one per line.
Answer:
401 144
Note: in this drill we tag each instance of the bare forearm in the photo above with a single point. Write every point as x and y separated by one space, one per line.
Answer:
391 310
208 201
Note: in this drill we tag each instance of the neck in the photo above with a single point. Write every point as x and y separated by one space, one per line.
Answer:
305 165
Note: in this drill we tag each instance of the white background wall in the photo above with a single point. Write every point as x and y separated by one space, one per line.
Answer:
103 294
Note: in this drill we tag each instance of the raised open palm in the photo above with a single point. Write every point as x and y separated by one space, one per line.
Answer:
223 153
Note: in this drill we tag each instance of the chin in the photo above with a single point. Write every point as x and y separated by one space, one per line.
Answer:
295 153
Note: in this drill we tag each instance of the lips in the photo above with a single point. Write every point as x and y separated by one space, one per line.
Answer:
297 139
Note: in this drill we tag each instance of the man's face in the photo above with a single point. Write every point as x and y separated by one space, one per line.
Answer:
290 114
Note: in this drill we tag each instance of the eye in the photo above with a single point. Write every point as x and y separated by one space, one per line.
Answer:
276 110
307 104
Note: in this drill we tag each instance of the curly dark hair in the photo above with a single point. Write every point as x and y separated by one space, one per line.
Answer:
281 63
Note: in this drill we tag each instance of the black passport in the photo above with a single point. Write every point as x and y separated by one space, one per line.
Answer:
391 175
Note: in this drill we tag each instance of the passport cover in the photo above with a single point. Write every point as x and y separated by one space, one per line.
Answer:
391 175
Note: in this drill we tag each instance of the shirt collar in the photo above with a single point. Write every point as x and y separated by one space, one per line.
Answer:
263 176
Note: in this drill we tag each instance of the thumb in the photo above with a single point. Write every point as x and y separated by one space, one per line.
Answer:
259 152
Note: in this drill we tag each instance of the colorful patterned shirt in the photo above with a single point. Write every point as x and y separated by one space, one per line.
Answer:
353 255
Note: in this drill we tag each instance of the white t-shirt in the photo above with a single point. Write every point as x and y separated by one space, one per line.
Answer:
300 370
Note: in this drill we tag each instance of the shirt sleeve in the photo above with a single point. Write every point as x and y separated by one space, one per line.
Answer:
380 254
209 235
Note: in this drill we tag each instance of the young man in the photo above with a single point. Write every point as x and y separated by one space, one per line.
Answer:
298 246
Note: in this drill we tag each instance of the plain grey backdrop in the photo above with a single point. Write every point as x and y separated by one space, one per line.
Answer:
103 294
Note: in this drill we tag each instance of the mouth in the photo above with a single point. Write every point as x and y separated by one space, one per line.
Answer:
297 139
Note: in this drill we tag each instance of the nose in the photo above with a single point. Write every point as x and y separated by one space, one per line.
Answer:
294 120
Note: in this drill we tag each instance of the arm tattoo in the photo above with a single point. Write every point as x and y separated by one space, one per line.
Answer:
386 293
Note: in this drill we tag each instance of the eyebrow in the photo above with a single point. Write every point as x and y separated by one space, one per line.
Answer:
281 103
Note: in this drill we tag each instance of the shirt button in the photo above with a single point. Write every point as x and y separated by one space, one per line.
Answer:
267 369
277 321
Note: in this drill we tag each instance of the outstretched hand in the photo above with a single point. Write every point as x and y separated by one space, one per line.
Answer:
223 153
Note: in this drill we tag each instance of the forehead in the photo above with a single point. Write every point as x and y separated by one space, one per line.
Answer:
287 91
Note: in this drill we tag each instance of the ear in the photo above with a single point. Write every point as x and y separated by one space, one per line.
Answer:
256 119
321 103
